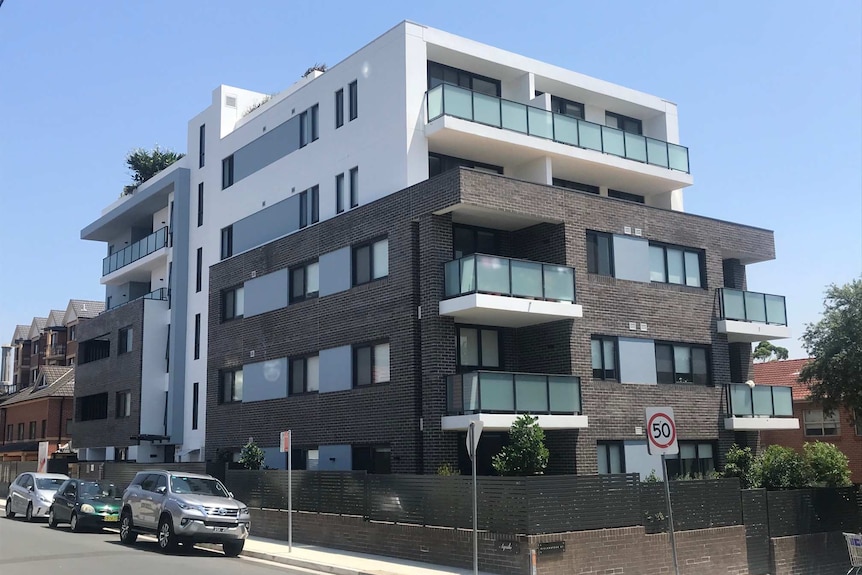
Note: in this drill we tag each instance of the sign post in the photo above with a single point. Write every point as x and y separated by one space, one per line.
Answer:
285 448
474 431
42 465
661 431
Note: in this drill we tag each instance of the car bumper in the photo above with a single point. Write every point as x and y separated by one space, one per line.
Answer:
103 520
41 509
211 531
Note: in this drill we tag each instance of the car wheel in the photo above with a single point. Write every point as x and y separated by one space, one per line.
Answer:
28 515
9 513
127 534
74 525
167 539
52 519
233 548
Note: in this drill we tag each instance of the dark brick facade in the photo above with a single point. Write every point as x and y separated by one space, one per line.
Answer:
118 372
418 222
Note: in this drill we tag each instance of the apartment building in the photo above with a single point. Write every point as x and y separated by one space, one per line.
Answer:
430 232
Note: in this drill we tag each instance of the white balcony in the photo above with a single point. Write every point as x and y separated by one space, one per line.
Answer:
751 316
135 263
759 408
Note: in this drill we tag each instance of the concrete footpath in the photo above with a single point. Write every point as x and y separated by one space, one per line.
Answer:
332 561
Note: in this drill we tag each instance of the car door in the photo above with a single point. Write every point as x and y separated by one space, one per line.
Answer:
21 497
139 499
158 497
65 500
15 492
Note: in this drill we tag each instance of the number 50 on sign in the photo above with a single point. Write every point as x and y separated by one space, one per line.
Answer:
661 431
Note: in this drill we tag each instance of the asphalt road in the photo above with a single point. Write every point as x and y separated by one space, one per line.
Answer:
36 549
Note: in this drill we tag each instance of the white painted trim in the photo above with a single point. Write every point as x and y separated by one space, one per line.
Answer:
760 423
504 421
504 311
748 331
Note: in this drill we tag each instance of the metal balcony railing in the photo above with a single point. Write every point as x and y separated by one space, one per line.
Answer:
759 401
752 306
506 392
450 100
143 247
480 273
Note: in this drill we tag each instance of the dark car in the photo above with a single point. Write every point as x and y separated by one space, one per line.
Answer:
84 504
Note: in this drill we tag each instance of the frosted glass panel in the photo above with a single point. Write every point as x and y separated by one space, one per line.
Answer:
565 129
734 304
490 348
458 102
514 116
381 363
531 394
656 264
656 152
565 394
470 382
692 269
239 303
468 274
453 280
677 157
486 109
526 279
381 259
559 283
762 399
613 141
590 135
740 400
312 278
468 345
782 401
312 368
755 307
616 460
435 102
687 451
674 266
497 392
682 361
492 274
775 310
541 123
635 147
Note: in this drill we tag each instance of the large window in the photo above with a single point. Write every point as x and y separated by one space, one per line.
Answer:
370 262
123 404
478 348
339 108
354 187
373 459
231 386
309 206
676 265
227 172
125 340
227 242
304 282
611 457
600 253
636 198
567 107
442 74
94 349
695 458
308 129
353 95
681 363
339 193
469 240
624 123
818 423
561 183
370 363
604 357
304 374
93 407
233 303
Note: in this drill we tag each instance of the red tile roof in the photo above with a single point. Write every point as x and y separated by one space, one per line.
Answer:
782 373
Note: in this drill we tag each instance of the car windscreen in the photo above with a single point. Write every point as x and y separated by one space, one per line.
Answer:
49 483
198 486
98 490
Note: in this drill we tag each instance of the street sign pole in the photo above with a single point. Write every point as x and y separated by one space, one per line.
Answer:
669 513
662 440
473 433
290 494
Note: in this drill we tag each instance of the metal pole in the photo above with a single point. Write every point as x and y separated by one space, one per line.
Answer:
290 493
669 514
475 504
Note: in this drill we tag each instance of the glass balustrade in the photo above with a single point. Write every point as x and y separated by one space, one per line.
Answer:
450 100
479 273
506 392
759 401
143 247
752 306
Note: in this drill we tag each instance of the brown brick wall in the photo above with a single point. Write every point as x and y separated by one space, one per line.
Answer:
816 554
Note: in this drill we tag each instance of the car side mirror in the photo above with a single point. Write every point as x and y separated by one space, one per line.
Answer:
161 490
30 488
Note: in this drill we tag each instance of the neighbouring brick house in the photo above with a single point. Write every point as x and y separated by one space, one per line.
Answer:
41 412
20 357
77 312
838 427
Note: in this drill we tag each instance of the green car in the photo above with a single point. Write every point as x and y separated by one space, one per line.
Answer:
84 504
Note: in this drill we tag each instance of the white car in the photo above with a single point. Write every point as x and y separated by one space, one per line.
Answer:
31 494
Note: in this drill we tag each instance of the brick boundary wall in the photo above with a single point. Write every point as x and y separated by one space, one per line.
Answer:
813 554
623 551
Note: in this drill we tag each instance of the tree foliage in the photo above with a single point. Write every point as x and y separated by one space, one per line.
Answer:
829 466
144 164
765 351
834 373
776 467
251 456
526 453
738 462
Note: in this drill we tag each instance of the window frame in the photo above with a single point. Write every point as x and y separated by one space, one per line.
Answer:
353 100
339 108
467 75
616 357
354 186
195 401
20 431
466 368
199 270
197 342
576 186
558 101
291 298
224 375
123 404
611 443
836 418
370 345
200 204
202 140
475 231
291 373
610 237
673 345
676 460
227 242
621 119
701 258
230 315
353 264
227 172
125 340
31 430
339 193
627 196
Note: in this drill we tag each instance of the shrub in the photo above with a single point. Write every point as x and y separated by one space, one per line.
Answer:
828 466
526 453
780 467
738 464
251 456
447 469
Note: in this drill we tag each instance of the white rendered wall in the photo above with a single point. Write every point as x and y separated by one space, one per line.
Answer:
154 378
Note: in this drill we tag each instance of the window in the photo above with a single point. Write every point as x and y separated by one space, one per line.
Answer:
195 401
442 74
638 199
93 407
561 183
305 459
231 386
478 348
438 163
817 423
675 265
304 374
227 242
227 172
126 343
44 429
681 363
123 404
200 269
604 357
315 204
303 209
373 459
304 282
202 140
354 187
339 108
32 431
308 130
94 349
197 336
370 262
858 421
353 94
370 364
200 204
468 240
567 107
72 332
20 431
10 432
611 457
68 426
600 253
694 459
339 193
309 209
233 303
624 123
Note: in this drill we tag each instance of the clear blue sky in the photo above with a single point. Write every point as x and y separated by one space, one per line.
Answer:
769 96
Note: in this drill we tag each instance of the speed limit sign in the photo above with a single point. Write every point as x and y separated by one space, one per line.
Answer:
661 431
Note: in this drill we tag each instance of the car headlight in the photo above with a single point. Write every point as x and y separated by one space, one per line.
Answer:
243 511
45 499
190 507
87 508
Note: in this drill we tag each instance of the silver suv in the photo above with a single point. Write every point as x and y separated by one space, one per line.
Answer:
183 508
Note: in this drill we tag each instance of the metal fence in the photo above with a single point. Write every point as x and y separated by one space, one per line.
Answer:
803 511
696 504
9 470
121 474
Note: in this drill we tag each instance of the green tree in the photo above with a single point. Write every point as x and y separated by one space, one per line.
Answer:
779 467
765 351
828 465
251 456
834 344
526 453
144 164
738 463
